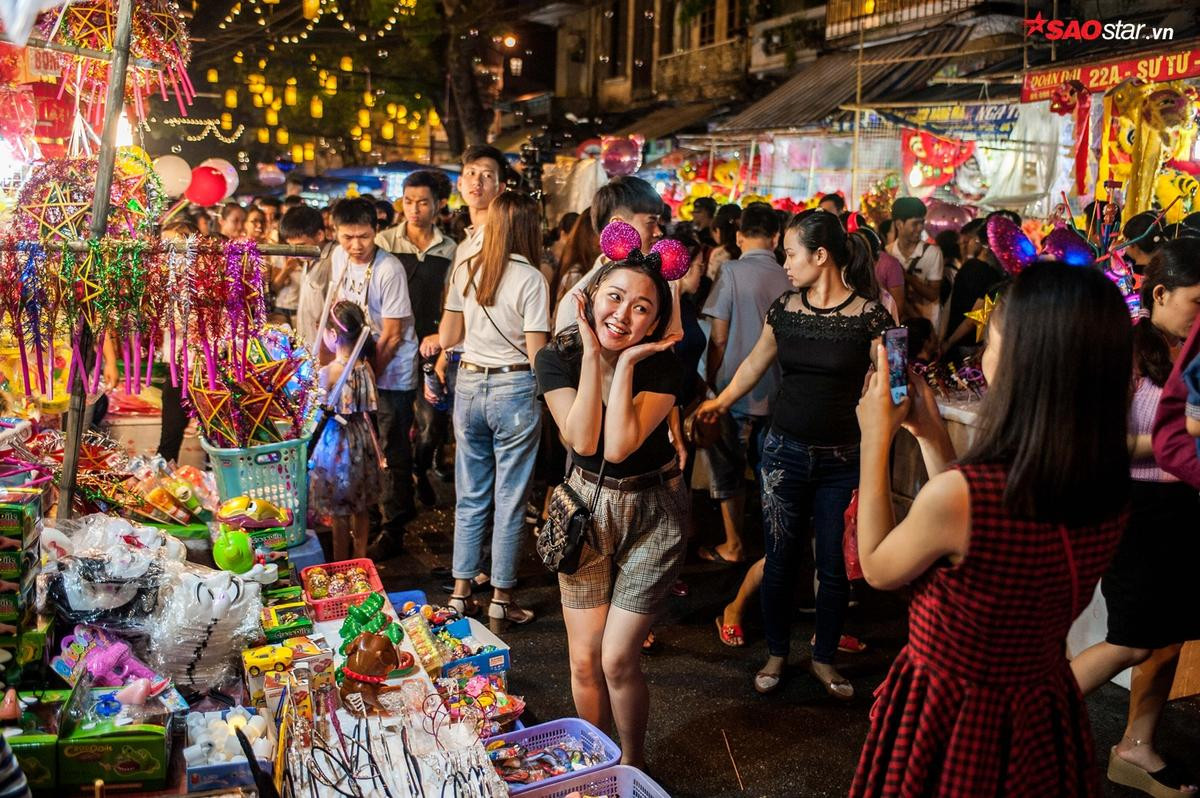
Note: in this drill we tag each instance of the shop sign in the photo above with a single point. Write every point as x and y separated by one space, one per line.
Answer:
1098 78
993 120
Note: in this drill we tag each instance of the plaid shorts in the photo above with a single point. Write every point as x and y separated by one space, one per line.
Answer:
639 542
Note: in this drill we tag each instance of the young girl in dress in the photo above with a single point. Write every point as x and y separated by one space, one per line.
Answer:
345 476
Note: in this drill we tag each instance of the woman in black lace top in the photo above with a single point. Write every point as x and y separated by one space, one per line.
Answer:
821 336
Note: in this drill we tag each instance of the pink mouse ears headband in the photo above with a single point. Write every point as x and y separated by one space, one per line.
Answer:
620 241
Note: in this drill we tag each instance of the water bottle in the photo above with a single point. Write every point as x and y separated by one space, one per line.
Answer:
435 386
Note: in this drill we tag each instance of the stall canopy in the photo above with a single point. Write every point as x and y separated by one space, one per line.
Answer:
663 122
815 93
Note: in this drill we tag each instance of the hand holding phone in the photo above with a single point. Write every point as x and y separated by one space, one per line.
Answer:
895 342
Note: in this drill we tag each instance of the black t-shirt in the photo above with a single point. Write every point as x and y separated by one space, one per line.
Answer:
975 278
426 285
660 373
824 360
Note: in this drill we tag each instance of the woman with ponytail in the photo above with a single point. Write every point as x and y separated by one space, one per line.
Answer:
1149 587
820 335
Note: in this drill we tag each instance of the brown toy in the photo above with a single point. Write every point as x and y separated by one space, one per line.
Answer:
368 662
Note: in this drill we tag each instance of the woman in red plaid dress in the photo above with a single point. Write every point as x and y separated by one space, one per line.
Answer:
1004 550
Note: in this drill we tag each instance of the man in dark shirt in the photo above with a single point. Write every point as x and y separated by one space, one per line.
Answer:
704 210
978 275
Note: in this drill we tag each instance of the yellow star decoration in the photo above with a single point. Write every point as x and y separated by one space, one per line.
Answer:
60 214
981 316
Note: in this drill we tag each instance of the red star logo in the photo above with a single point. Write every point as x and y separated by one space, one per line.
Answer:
1035 25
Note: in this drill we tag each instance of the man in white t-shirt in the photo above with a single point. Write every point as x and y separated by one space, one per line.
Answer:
375 281
922 261
631 200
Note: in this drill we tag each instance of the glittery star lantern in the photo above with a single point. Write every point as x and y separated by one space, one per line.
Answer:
981 317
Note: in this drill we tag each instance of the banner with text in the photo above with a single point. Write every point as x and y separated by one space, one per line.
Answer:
1098 78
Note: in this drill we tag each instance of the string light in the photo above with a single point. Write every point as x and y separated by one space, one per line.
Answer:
207 127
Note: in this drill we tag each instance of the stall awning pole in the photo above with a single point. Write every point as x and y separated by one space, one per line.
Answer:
104 177
851 201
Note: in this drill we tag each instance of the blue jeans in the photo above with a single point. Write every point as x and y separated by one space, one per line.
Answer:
497 425
802 482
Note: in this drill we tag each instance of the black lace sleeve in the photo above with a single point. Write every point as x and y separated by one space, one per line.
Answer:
778 307
878 319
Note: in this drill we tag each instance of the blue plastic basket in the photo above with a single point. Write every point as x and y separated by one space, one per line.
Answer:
560 731
399 597
619 781
277 472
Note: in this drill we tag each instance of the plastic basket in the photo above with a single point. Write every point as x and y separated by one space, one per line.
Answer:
619 781
336 607
277 472
399 597
559 731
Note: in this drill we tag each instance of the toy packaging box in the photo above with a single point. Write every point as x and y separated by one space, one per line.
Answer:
311 660
121 751
228 775
489 663
36 746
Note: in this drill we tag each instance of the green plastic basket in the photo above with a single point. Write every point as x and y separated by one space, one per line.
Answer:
277 472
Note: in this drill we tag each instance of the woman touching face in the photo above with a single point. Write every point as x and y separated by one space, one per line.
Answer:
625 309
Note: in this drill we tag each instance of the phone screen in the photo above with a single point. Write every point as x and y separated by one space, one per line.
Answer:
895 342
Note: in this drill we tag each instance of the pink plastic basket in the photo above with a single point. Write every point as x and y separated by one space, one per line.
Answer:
333 608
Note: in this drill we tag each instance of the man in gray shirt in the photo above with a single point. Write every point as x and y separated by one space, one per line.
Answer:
737 307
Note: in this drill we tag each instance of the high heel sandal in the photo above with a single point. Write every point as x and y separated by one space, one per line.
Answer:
465 606
503 614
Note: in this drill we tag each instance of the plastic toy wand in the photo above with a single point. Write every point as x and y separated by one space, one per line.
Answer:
328 411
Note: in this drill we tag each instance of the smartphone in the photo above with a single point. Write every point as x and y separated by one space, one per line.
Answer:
895 342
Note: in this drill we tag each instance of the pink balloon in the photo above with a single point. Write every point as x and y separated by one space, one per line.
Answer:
941 216
620 156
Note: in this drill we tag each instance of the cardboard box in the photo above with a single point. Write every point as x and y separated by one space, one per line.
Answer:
283 621
228 774
130 755
312 661
36 747
493 662
21 513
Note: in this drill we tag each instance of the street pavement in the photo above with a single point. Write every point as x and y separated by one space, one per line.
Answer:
707 725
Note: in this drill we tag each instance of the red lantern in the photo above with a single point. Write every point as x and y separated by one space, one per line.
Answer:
208 186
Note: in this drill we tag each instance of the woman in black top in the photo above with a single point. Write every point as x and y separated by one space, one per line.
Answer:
821 335
610 382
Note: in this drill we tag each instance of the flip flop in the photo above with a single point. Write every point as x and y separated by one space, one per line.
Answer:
710 554
650 644
847 644
730 635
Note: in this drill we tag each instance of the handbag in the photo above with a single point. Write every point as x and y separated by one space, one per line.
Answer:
568 526
850 539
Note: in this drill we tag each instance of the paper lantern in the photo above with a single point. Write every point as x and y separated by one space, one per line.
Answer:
310 151
401 112
212 76
207 187
238 58
364 144
268 95
346 64
364 117
264 136
281 136
434 119
227 171
356 131
391 109
256 100
316 108
278 104
331 85
369 99
388 130
256 83
231 99
174 173
289 96
297 152
226 121
311 9
272 117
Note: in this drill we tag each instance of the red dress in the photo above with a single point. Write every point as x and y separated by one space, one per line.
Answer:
981 702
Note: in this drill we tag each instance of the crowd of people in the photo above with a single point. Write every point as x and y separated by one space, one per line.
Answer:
523 357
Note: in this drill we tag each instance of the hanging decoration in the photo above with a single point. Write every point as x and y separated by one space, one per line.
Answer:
929 161
158 36
876 201
621 155
1072 99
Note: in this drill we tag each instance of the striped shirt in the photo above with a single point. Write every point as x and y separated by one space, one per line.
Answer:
1141 422
12 780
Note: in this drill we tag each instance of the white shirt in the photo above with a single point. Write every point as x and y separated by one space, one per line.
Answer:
521 305
928 267
568 313
386 297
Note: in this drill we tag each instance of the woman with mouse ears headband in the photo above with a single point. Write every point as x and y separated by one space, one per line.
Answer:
610 382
